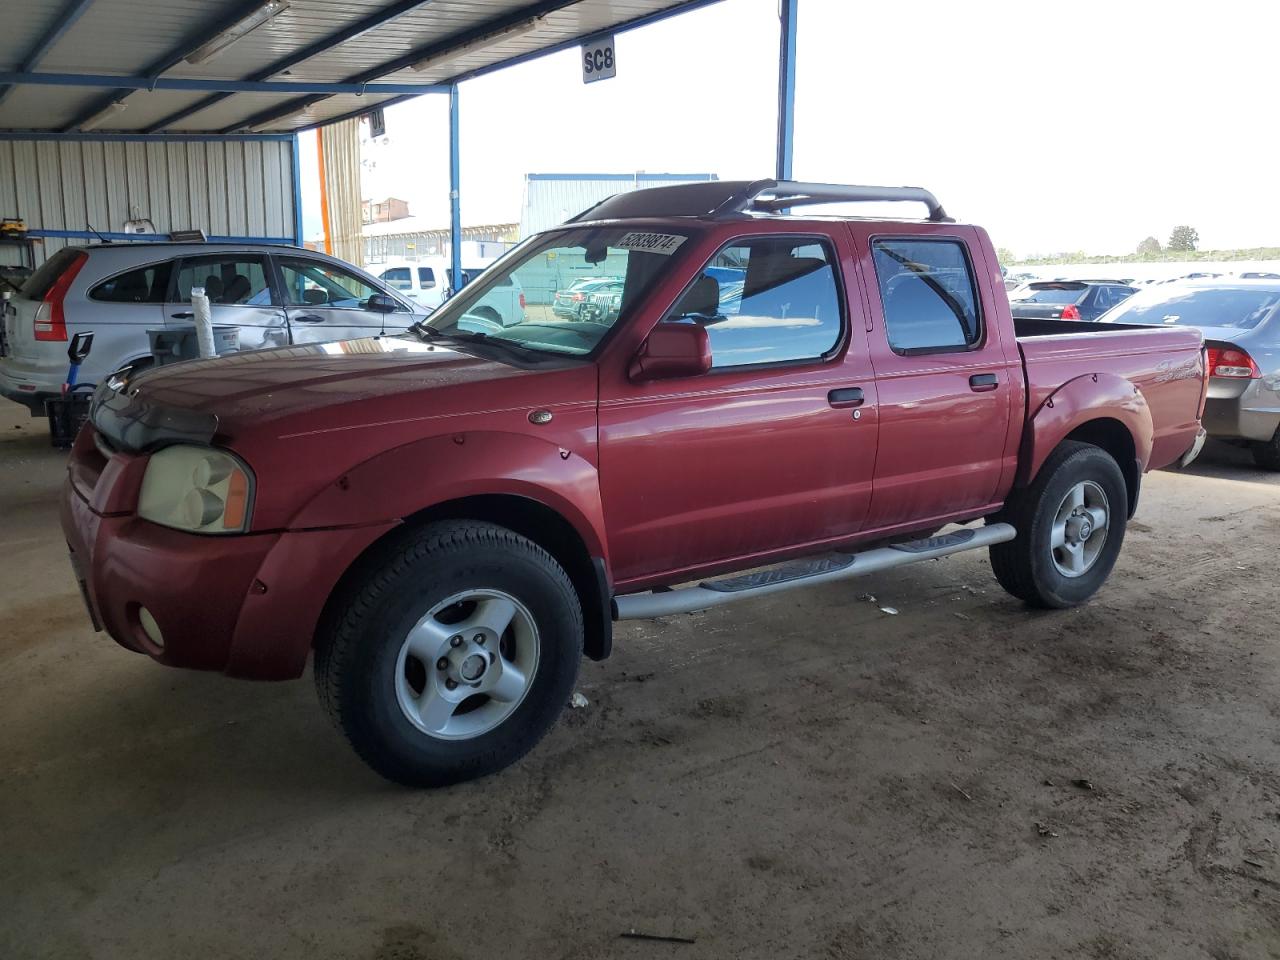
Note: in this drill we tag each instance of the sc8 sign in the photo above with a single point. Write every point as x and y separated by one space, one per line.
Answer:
599 61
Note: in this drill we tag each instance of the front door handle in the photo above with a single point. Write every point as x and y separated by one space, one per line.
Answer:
983 382
309 318
845 397
185 315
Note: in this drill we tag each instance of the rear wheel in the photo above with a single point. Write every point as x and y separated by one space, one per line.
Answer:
1266 453
454 656
1071 523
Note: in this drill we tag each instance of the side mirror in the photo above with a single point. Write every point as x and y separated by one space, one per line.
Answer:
672 350
79 348
381 303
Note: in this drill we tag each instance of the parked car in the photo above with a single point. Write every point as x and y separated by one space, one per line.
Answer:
426 281
1239 321
574 301
275 295
450 521
1068 299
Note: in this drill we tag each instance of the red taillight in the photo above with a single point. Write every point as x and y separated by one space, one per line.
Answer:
1232 362
50 319
522 301
1070 312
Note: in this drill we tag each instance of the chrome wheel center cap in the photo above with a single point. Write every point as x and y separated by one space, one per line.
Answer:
1079 529
473 667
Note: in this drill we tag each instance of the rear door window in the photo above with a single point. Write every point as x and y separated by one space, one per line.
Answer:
765 300
928 292
148 284
231 280
426 277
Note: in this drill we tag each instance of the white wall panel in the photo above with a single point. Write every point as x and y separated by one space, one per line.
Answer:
233 188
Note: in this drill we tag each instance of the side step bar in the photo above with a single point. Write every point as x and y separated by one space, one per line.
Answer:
803 573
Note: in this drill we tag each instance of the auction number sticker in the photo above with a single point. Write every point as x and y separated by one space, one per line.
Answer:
663 243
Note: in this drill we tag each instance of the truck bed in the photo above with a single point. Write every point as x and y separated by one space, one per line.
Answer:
1026 327
1164 363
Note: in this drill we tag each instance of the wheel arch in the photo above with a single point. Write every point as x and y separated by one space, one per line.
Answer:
1103 409
529 517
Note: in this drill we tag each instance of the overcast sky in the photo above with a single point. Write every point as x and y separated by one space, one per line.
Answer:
1059 127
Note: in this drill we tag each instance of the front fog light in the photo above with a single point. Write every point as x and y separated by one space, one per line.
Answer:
150 627
198 489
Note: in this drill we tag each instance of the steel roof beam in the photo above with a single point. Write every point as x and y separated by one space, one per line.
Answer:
324 45
425 52
439 48
225 86
168 61
66 19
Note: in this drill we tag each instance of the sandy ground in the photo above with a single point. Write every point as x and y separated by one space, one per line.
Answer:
804 776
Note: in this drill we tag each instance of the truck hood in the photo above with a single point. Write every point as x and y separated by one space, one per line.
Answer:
318 387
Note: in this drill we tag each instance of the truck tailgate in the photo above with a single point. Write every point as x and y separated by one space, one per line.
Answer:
1165 364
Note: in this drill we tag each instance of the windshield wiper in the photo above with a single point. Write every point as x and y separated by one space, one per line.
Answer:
475 336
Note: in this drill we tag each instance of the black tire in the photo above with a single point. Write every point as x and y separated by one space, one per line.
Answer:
357 651
1024 566
1266 454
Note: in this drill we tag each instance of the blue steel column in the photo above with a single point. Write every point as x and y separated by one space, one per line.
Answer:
297 192
455 209
786 87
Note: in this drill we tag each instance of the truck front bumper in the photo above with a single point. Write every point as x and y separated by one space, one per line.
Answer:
247 605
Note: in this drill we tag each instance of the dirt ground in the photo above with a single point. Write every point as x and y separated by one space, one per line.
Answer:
803 776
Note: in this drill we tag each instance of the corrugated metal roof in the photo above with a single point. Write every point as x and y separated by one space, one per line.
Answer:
136 38
552 198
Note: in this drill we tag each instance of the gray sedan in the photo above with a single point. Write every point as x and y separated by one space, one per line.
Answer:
1242 333
273 295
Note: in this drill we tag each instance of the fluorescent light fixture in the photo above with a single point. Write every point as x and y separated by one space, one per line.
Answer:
238 30
103 115
480 43
272 126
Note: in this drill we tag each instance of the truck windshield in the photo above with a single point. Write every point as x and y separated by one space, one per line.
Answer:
536 297
1052 293
1243 308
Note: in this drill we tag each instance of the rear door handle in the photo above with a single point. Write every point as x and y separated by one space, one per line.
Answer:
185 315
845 397
309 318
982 382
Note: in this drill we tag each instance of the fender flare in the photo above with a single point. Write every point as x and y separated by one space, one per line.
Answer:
398 483
1092 397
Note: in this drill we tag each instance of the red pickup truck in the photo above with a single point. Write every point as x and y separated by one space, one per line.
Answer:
451 518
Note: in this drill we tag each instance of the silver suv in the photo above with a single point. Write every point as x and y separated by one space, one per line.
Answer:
275 295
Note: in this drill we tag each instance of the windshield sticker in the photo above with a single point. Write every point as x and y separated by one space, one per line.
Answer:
663 243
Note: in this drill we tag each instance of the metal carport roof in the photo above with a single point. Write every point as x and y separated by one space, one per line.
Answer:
307 62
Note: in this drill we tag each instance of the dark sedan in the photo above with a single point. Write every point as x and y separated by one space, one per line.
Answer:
1067 299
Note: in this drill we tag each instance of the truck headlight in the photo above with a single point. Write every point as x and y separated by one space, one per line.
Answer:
198 489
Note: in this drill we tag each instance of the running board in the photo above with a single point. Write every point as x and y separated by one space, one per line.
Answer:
803 573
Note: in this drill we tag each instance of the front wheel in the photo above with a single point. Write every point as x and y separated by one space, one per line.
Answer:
454 656
1071 523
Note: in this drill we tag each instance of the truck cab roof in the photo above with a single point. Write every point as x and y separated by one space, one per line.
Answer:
735 199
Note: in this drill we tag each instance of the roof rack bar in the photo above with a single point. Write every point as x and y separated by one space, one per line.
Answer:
721 199
790 193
